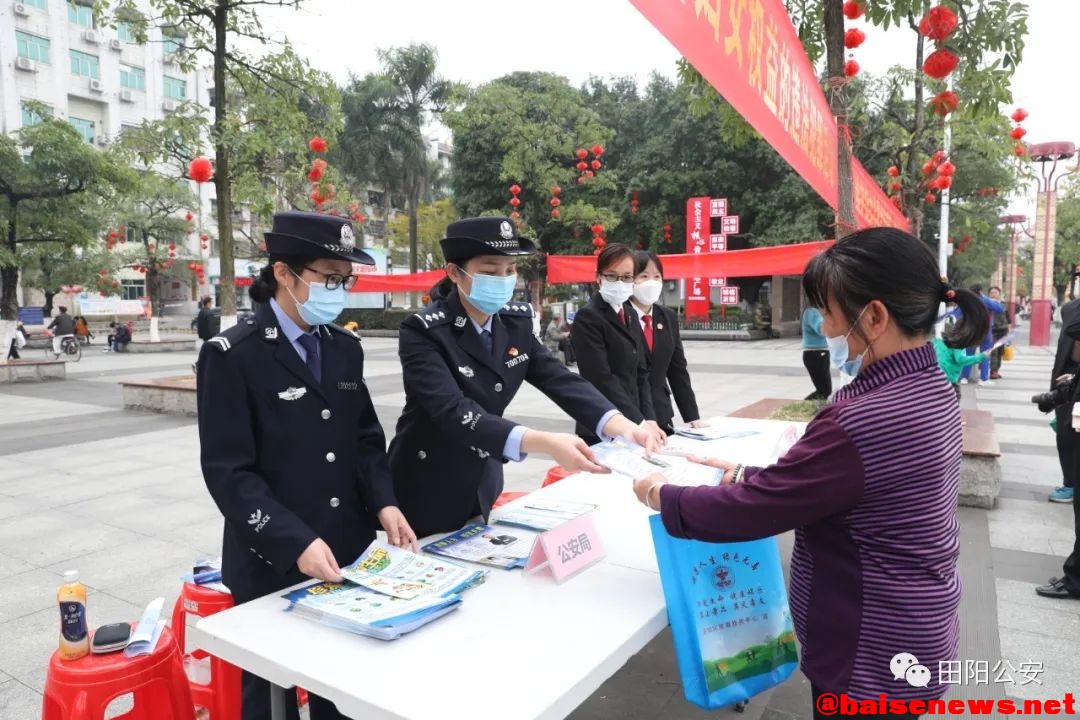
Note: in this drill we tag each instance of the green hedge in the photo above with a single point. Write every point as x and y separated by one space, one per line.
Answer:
375 319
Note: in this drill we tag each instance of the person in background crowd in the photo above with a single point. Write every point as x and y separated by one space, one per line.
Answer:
1067 362
18 341
292 451
874 568
952 358
815 354
64 327
82 330
990 308
609 354
565 345
119 337
554 334
204 323
657 329
998 329
464 357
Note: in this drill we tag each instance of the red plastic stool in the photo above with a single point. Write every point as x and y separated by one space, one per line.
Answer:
554 475
82 689
221 695
507 497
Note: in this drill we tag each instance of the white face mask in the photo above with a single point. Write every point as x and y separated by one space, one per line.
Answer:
648 291
616 293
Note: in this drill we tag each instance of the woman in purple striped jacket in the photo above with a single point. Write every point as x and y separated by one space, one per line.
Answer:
870 489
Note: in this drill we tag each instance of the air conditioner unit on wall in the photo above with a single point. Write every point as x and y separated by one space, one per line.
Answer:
101 140
97 86
127 96
25 64
90 36
168 105
115 44
21 9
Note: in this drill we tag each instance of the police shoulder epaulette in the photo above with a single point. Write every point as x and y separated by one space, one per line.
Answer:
520 309
226 339
433 316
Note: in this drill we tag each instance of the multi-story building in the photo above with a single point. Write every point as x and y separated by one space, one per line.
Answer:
103 81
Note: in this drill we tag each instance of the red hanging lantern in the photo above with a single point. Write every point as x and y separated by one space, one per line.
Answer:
894 171
582 166
201 169
851 68
582 153
555 202
204 238
946 168
581 180
1018 133
853 10
597 150
515 215
595 164
1019 115
895 187
359 217
555 190
317 145
938 23
315 174
515 189
514 202
597 229
945 182
318 196
589 173
934 184
555 214
941 63
944 103
1019 150
188 217
853 38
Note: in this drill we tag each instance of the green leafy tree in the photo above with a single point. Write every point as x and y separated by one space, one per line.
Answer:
432 220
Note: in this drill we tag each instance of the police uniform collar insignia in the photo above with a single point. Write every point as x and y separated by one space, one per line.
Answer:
347 237
659 326
506 230
459 322
466 371
293 393
270 333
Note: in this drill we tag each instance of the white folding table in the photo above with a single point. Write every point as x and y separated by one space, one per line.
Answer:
520 646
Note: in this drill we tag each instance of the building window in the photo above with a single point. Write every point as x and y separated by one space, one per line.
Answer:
82 15
132 289
175 88
130 235
125 33
172 44
125 129
133 78
33 47
30 118
85 65
85 128
39 4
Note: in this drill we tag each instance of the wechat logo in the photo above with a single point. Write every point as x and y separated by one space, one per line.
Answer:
905 666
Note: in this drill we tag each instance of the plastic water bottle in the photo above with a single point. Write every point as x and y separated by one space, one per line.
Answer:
74 637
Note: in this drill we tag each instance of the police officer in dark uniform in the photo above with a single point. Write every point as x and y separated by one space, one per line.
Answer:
292 451
464 357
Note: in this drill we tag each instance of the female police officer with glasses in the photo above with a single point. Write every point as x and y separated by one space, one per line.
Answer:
464 358
292 451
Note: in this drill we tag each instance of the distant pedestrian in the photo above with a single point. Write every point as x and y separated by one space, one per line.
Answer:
998 329
18 341
815 354
63 326
204 322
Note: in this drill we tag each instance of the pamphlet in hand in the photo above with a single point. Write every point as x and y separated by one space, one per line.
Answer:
358 610
392 571
486 545
627 459
541 515
713 433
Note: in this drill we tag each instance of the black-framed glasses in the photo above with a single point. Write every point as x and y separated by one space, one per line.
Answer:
612 277
333 281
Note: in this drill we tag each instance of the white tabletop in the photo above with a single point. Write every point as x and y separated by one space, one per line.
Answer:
519 647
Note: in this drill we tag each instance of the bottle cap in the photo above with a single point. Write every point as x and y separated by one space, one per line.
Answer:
71 576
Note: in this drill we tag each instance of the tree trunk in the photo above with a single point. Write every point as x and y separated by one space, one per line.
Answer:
9 274
838 104
914 199
222 184
46 309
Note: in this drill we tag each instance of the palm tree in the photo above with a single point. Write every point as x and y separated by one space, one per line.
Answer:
385 113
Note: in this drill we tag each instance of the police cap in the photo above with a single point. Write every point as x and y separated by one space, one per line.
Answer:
314 235
472 237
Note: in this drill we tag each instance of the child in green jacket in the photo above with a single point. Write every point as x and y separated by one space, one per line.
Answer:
953 360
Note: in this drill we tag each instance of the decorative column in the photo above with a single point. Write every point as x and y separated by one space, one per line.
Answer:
1016 226
1049 156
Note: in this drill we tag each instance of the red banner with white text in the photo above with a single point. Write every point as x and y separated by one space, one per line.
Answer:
757 262
749 51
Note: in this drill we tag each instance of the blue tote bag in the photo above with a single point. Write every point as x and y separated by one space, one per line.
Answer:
728 609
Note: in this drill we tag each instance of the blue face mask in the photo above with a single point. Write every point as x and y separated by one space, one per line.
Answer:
839 351
323 306
489 293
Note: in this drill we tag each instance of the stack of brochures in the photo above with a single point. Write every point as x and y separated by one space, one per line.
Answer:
486 545
630 460
387 593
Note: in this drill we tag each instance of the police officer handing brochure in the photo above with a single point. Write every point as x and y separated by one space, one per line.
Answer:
292 451
464 357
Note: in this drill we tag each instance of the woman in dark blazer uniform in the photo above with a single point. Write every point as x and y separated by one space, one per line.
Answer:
608 351
667 362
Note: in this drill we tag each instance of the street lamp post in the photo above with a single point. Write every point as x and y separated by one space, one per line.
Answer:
1048 155
1016 226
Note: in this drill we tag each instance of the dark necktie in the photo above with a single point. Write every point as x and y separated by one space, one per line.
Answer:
489 342
310 343
647 319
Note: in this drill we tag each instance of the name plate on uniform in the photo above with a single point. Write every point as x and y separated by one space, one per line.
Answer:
568 549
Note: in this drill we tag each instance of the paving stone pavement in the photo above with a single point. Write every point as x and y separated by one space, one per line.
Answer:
118 495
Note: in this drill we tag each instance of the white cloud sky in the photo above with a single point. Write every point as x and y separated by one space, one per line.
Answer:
479 40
